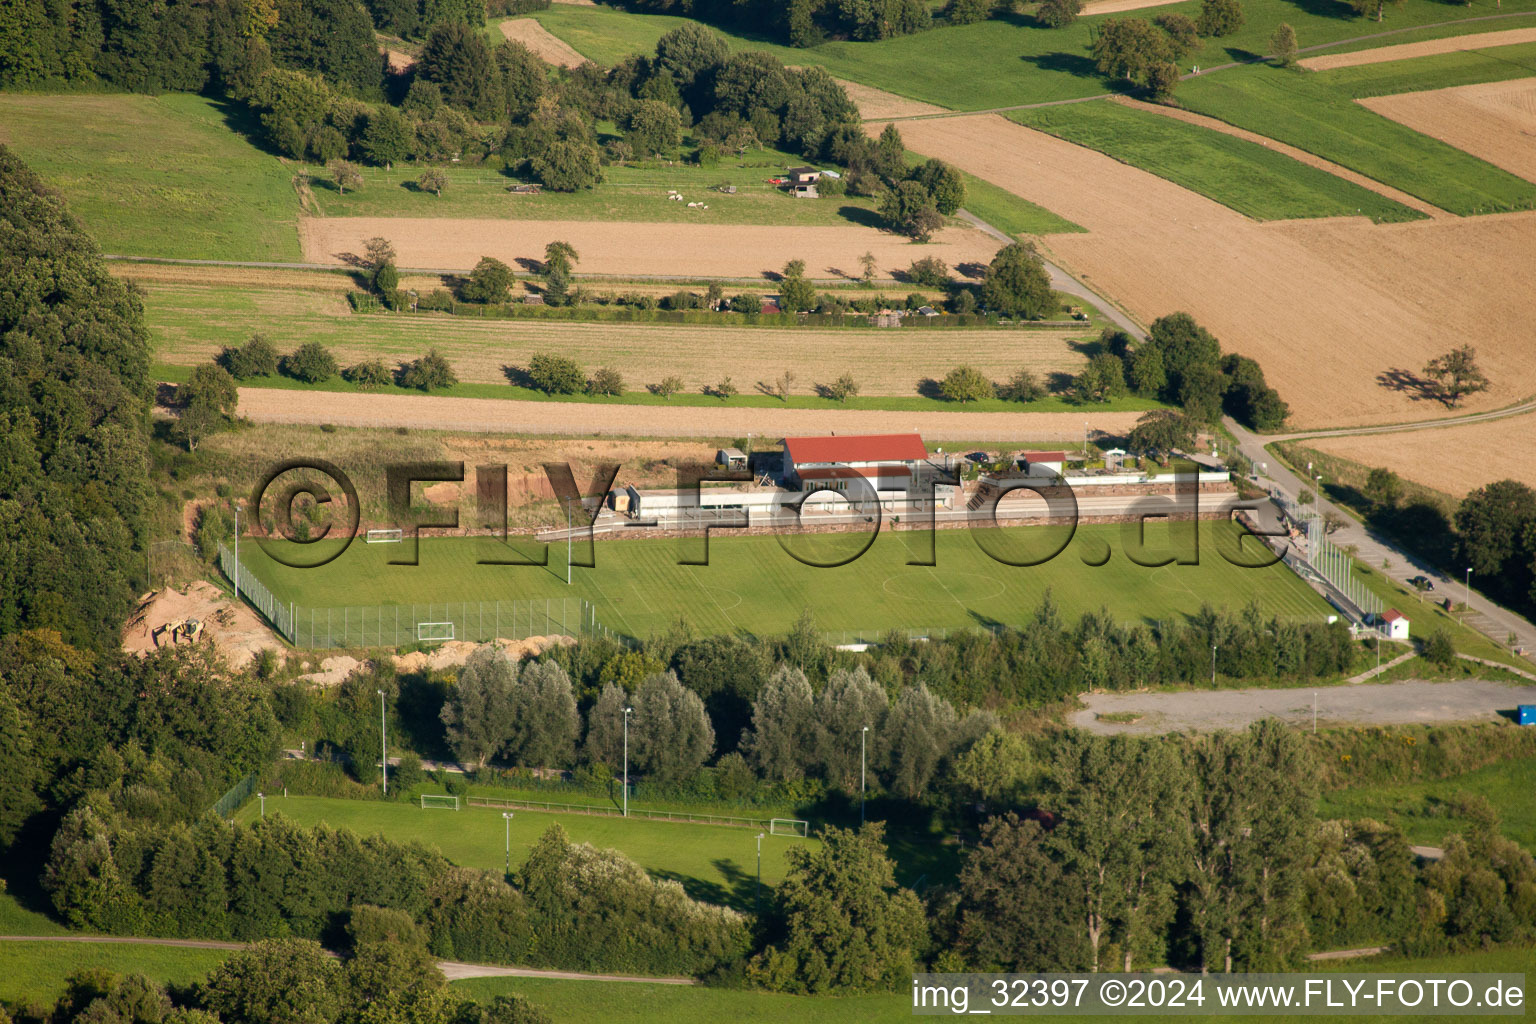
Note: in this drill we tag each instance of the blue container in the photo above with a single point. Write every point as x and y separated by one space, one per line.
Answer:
1526 714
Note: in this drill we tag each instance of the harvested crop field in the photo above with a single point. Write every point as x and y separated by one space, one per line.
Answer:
1427 48
634 249
1117 6
875 104
542 42
267 405
1450 459
1495 121
191 323
1295 295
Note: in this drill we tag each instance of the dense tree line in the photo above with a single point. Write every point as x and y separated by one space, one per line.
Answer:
803 22
128 875
74 409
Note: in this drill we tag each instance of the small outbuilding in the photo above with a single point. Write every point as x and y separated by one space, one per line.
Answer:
1394 624
731 458
1043 463
802 182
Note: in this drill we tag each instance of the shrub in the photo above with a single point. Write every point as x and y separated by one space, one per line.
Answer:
930 272
368 375
745 303
1023 386
488 282
556 375
428 373
386 279
256 358
605 381
1439 648
311 362
966 384
682 299
667 386
1220 17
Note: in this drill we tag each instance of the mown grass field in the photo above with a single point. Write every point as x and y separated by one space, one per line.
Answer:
1013 60
626 194
158 175
35 972
1315 111
717 863
753 585
1251 179
1423 810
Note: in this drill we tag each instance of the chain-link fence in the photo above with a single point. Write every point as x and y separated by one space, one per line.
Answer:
233 800
396 625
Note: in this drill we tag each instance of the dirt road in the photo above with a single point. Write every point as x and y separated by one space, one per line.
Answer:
1425 48
269 405
1413 702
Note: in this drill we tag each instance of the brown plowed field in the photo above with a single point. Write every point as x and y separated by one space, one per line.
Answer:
1450 459
634 249
542 42
1331 308
875 103
266 405
1495 121
1116 6
1427 48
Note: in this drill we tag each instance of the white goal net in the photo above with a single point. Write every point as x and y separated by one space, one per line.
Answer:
434 631
788 827
384 537
438 800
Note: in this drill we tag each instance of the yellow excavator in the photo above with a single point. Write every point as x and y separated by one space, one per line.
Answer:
177 628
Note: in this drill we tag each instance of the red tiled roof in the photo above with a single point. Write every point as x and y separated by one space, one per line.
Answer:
1392 615
1044 456
848 472
857 448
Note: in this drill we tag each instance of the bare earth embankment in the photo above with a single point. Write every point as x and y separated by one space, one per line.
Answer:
1339 312
265 405
632 249
1427 48
875 104
1495 121
1451 459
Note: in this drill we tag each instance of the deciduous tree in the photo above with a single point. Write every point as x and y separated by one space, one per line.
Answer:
1457 374
1017 285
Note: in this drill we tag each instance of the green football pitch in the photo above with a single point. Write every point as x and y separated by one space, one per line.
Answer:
757 585
717 863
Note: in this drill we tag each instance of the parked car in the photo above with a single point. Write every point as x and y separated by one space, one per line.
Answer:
1422 583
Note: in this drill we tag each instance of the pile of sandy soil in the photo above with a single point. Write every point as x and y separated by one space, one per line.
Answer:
457 652
237 631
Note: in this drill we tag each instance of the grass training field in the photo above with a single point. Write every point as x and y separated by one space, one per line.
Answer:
1423 810
1251 179
717 863
753 585
157 175
1315 111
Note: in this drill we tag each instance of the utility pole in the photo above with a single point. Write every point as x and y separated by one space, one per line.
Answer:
237 552
863 736
1469 590
1213 666
1314 699
508 816
626 760
759 897
383 746
567 541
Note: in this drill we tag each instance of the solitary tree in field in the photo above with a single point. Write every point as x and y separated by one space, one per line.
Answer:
433 180
842 389
783 384
1058 13
606 381
377 252
1283 46
667 386
346 175
966 384
1458 374
1023 386
560 254
867 261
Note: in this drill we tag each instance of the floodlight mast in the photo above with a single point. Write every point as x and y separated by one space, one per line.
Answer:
383 746
625 781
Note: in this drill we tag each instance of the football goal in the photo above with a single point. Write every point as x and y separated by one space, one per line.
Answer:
434 631
788 827
440 801
384 537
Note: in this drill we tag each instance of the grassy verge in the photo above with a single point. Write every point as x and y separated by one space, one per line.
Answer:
1316 112
158 175
35 972
1427 811
1251 179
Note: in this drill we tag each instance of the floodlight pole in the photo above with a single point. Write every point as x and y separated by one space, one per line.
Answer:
508 816
627 712
759 896
237 552
567 541
863 736
383 746
1314 696
1213 666
1469 590
263 798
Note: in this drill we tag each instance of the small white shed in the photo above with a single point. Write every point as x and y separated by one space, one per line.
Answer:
1394 624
